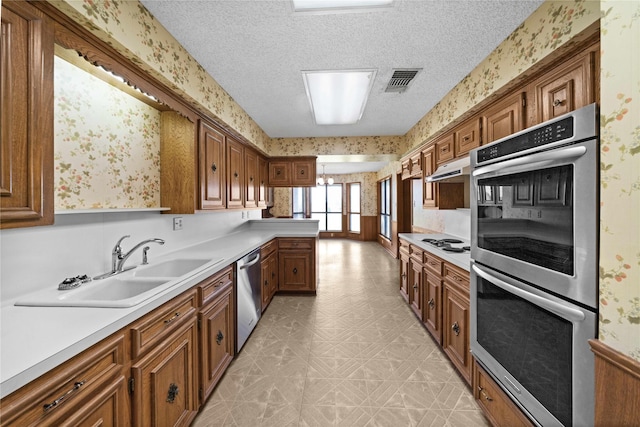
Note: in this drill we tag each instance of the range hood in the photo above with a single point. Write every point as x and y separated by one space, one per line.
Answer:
450 171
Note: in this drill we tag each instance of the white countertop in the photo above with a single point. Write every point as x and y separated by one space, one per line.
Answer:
34 340
460 259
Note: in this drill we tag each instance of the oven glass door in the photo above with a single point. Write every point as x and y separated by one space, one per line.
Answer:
529 216
536 345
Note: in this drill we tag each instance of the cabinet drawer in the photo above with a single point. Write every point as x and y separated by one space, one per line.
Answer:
57 395
152 328
268 247
296 243
457 276
415 253
404 246
496 405
433 264
210 288
444 149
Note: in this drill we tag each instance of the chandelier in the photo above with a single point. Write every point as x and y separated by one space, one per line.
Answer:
323 179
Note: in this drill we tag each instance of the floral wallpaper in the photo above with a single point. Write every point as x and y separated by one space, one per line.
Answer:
551 26
107 144
620 177
129 28
336 145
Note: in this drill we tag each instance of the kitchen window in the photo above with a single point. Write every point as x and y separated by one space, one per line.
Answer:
353 206
385 208
326 206
300 202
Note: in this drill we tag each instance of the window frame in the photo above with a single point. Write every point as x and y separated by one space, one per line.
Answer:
326 211
385 201
349 186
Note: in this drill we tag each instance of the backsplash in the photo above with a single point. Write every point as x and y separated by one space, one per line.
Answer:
39 257
107 144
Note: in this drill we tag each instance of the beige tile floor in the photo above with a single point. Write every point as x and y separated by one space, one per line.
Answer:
354 355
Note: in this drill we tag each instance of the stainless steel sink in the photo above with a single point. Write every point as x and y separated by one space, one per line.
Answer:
171 268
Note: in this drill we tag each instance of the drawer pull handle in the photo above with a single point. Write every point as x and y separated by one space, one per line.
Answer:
49 406
557 103
235 175
172 393
295 271
214 168
219 337
432 304
455 328
484 394
175 316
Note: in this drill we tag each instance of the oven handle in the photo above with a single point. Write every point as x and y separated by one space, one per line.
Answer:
531 161
568 313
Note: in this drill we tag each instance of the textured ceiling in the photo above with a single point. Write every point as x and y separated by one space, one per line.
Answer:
256 50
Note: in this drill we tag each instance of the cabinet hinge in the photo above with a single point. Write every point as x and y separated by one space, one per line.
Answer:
132 386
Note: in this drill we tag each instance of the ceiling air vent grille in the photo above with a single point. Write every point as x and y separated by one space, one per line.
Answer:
401 79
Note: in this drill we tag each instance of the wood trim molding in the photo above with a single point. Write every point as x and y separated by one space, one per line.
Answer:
617 387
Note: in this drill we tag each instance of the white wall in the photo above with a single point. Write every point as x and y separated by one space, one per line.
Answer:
35 258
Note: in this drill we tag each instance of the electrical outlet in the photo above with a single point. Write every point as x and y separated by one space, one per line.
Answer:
177 223
242 215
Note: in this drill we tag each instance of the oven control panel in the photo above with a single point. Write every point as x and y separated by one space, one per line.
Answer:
553 132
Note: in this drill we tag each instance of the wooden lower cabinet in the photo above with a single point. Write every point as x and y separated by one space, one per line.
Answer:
495 404
415 282
217 338
88 390
455 322
164 386
404 270
269 276
297 264
433 305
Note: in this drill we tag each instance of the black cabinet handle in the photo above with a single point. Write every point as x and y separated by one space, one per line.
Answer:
219 337
415 286
432 303
214 167
235 174
302 172
295 271
172 393
455 328
266 283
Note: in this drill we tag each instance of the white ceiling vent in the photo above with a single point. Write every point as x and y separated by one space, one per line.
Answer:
401 79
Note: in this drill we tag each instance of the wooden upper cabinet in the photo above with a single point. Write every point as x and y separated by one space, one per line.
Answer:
304 173
251 178
503 118
467 137
26 117
406 169
565 88
292 172
263 173
212 159
235 174
445 148
428 167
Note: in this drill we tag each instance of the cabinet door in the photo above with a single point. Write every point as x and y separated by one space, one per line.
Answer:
467 137
235 174
265 276
404 276
428 188
273 274
445 149
251 177
279 174
504 118
432 286
165 384
416 165
26 117
415 292
295 271
565 88
216 341
304 173
212 160
263 173
456 330
406 169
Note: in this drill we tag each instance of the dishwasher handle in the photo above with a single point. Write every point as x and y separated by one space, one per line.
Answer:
252 262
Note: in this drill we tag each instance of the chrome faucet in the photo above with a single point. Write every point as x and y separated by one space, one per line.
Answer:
118 258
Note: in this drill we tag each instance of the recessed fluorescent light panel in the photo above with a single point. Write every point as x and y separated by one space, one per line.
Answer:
338 97
338 6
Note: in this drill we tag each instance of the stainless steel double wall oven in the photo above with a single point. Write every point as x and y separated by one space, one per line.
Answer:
534 269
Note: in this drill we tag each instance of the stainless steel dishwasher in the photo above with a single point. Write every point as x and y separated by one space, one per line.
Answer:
248 298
